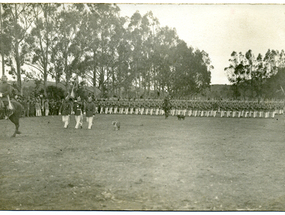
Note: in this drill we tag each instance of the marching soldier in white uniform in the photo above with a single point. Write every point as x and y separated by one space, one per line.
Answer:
65 111
78 112
90 110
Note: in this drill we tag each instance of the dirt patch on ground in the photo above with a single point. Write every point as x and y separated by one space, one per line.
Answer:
150 164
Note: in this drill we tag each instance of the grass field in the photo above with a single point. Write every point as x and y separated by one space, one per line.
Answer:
200 163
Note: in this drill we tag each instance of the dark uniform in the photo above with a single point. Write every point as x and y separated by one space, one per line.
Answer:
5 91
65 111
90 110
65 108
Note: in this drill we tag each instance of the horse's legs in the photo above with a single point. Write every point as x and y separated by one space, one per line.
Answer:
15 120
17 129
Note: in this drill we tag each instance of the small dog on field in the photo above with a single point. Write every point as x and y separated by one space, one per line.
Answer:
179 117
116 125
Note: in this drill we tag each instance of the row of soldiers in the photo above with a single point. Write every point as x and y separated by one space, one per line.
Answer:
213 108
192 107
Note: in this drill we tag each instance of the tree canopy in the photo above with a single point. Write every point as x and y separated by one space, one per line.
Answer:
259 77
91 43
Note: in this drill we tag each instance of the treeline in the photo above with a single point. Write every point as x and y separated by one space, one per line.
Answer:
261 77
91 44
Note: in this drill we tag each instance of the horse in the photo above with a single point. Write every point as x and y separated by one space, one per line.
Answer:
15 117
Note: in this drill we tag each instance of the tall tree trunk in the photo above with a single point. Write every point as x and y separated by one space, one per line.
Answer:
67 87
17 56
67 76
113 82
251 82
101 81
149 83
46 54
45 84
94 70
2 48
94 80
119 81
18 68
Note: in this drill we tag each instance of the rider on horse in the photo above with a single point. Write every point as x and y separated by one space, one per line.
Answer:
5 93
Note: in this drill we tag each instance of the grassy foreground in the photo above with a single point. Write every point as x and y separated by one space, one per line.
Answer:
224 164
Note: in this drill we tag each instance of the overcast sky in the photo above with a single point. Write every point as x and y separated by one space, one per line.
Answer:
221 29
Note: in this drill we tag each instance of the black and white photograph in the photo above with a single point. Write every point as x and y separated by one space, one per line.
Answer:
142 107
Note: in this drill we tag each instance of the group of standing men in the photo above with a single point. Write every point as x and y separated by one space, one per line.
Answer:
78 108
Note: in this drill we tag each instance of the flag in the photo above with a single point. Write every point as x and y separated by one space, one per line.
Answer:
72 95
282 90
75 84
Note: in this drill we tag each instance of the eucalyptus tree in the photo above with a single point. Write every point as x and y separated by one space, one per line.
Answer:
5 40
202 66
181 62
101 27
260 77
18 19
138 34
150 27
274 72
250 70
108 16
153 44
191 70
237 73
121 73
88 29
163 60
124 76
281 59
65 52
271 62
275 85
247 73
120 57
270 70
42 34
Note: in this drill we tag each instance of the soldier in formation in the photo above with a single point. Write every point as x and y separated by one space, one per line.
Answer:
206 108
78 112
65 111
90 110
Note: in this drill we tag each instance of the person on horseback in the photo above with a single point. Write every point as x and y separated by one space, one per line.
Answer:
5 94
